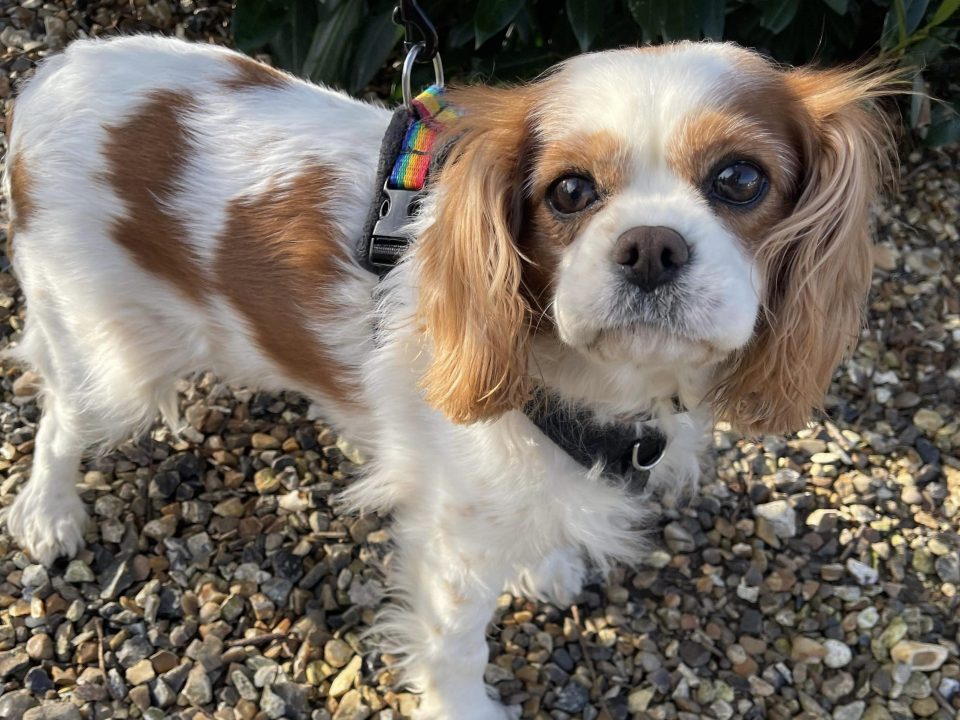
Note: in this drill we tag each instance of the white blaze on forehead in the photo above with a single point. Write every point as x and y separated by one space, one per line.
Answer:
640 95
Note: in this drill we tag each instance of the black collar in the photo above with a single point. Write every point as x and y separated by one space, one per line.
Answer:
630 448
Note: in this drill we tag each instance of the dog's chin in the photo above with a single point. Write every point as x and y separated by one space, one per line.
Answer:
651 346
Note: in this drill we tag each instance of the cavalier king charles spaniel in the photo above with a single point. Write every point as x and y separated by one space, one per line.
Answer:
645 238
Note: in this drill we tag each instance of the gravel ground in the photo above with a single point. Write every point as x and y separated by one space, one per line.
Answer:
815 576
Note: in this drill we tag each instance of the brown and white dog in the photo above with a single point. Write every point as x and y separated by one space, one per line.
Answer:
639 224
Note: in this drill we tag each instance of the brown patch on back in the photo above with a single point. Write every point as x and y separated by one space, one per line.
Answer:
21 193
146 157
278 264
251 74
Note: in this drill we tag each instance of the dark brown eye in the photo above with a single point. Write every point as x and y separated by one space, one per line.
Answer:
571 194
740 183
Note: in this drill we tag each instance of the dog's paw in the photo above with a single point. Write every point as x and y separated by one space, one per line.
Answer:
557 578
47 525
488 710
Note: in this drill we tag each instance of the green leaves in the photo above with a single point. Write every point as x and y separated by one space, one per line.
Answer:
586 19
492 16
678 19
778 14
256 22
345 43
342 43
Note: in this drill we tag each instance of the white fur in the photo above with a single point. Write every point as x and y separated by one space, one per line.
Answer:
477 508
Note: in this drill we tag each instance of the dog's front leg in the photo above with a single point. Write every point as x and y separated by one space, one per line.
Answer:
448 584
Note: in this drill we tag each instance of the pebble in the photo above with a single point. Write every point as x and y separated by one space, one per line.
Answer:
694 654
678 538
13 705
925 657
862 573
572 698
346 677
78 572
782 517
12 661
838 654
851 711
198 689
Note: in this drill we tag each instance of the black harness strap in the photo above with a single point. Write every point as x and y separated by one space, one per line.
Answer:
628 449
375 254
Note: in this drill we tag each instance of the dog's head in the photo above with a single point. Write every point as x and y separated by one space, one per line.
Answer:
688 206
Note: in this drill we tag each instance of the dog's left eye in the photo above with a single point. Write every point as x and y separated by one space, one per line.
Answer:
739 183
571 194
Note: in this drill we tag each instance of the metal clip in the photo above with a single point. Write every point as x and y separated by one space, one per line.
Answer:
648 463
391 234
408 14
408 71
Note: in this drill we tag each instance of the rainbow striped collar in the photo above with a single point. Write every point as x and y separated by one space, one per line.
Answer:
430 112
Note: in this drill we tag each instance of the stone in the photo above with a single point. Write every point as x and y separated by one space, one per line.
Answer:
838 654
639 700
346 677
13 705
40 647
867 618
140 673
295 699
337 653
572 698
34 576
803 649
266 481
61 710
352 707
272 704
78 572
852 711
928 420
862 573
37 681
782 517
678 538
925 657
694 654
837 686
13 661
823 520
198 689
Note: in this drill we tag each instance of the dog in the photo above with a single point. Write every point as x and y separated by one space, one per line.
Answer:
644 239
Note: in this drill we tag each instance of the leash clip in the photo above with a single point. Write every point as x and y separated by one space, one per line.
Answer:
408 14
408 71
391 236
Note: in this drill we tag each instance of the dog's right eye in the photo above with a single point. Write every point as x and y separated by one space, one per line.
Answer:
740 183
571 194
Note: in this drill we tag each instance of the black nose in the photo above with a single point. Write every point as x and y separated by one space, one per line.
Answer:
651 256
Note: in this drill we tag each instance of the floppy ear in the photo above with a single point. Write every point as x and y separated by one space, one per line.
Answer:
470 268
816 264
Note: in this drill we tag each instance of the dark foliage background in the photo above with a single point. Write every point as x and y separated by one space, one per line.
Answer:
353 44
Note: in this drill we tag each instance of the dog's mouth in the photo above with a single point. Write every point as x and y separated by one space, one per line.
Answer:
646 343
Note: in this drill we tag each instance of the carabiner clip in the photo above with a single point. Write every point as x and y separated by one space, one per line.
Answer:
408 14
408 71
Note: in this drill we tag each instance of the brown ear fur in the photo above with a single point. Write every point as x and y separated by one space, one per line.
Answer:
817 263
470 269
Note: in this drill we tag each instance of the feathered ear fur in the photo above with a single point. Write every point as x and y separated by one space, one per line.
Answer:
470 268
817 263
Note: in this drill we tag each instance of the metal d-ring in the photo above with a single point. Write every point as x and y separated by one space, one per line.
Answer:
408 70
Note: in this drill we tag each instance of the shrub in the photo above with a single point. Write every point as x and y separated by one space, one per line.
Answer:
353 44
